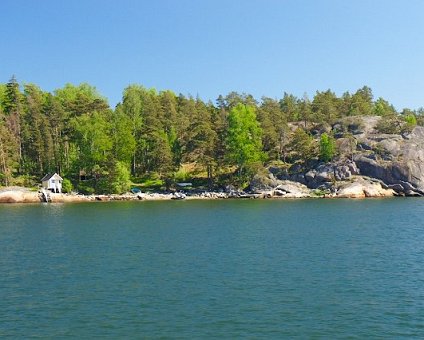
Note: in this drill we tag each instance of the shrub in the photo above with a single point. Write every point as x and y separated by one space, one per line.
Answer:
66 186
410 120
119 178
391 125
326 148
86 188
302 146
182 175
397 124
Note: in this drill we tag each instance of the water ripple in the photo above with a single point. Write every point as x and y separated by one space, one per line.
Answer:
219 269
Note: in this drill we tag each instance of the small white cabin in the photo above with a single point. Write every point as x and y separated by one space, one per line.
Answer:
52 182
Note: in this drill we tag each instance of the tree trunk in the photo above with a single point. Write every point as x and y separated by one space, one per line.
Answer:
210 176
133 164
4 166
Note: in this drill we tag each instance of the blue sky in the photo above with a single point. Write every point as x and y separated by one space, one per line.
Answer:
207 48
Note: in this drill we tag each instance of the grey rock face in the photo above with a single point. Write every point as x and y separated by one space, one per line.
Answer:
396 161
404 167
292 190
328 173
261 184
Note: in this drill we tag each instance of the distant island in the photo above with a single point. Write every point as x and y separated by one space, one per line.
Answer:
324 146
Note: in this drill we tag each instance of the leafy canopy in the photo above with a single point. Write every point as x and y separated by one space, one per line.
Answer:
326 147
244 138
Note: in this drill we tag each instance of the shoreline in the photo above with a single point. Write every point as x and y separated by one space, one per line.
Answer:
24 195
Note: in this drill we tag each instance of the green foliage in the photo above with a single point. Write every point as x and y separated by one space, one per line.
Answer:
150 182
396 124
123 139
273 121
325 107
8 152
28 181
2 92
73 131
182 175
119 178
383 108
131 108
86 188
289 106
66 186
303 147
390 125
420 116
81 99
361 102
305 110
326 147
351 125
92 137
410 120
243 141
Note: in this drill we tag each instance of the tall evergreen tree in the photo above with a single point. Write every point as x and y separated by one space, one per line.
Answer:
361 102
12 105
202 139
8 155
325 107
37 140
271 119
305 110
60 133
289 105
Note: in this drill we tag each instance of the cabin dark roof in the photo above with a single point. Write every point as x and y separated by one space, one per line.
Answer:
48 176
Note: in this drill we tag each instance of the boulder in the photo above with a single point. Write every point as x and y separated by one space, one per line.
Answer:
352 167
351 190
329 172
262 183
411 193
361 188
310 176
291 189
376 190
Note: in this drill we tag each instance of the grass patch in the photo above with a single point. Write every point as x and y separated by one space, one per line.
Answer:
150 182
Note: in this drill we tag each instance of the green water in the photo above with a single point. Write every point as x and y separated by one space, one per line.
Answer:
213 269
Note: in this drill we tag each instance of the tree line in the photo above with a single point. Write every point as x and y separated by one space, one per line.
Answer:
149 134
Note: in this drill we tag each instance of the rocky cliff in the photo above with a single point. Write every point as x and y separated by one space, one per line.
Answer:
369 164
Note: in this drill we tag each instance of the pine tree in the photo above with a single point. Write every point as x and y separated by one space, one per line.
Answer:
8 155
12 105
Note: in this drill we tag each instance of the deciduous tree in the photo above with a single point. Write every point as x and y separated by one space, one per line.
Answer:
244 143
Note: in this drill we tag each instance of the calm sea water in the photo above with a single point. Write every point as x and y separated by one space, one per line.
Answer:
213 269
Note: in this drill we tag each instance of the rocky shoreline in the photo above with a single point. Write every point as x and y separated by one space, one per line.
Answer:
287 190
369 164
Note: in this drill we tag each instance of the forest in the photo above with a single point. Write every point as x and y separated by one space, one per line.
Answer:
155 139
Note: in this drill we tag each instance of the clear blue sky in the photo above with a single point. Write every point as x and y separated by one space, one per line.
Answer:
212 47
